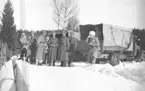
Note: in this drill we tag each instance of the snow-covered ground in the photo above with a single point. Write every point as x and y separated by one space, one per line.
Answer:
80 77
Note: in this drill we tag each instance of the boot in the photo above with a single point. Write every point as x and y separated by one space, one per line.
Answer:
49 63
93 60
66 64
37 61
53 63
46 62
61 64
69 62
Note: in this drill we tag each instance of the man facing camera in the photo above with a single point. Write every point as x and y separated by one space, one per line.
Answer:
94 47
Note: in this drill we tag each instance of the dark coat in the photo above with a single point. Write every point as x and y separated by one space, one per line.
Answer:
53 49
63 49
73 47
33 48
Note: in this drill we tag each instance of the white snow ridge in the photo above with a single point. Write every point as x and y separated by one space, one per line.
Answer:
80 77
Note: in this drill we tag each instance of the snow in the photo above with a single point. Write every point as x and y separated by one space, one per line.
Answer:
7 77
80 77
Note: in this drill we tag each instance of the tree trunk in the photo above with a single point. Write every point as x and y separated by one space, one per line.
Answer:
3 54
4 51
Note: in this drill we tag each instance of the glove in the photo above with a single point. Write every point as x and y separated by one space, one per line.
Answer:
52 45
90 46
90 43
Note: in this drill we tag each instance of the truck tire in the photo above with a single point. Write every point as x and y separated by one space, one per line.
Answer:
114 59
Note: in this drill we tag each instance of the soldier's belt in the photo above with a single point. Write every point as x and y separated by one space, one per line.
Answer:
42 42
93 46
53 46
72 44
62 45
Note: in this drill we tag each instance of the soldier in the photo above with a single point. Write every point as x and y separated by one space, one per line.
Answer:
94 47
28 49
24 43
47 46
72 48
63 49
53 49
33 48
40 49
137 46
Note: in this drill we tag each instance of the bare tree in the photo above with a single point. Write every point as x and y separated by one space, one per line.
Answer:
69 11
64 10
58 6
73 23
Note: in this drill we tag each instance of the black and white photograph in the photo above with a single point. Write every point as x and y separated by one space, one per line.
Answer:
72 45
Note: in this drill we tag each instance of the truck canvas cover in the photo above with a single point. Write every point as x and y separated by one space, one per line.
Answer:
111 37
117 37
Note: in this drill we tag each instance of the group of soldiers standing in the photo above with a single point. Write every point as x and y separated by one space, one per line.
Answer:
48 50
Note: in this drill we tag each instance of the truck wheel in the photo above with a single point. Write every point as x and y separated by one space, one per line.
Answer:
114 59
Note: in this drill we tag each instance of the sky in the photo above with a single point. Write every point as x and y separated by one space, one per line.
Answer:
37 14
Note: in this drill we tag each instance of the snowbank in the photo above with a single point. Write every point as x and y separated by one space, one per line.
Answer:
83 77
130 75
7 77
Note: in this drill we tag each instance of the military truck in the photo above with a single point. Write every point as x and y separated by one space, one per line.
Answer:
116 43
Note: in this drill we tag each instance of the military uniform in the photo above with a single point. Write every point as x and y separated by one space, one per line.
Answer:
53 50
40 49
93 49
63 51
72 49
33 48
25 45
47 47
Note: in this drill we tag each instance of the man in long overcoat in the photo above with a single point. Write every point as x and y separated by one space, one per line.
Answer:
94 47
72 48
47 47
33 48
53 49
63 49
40 49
